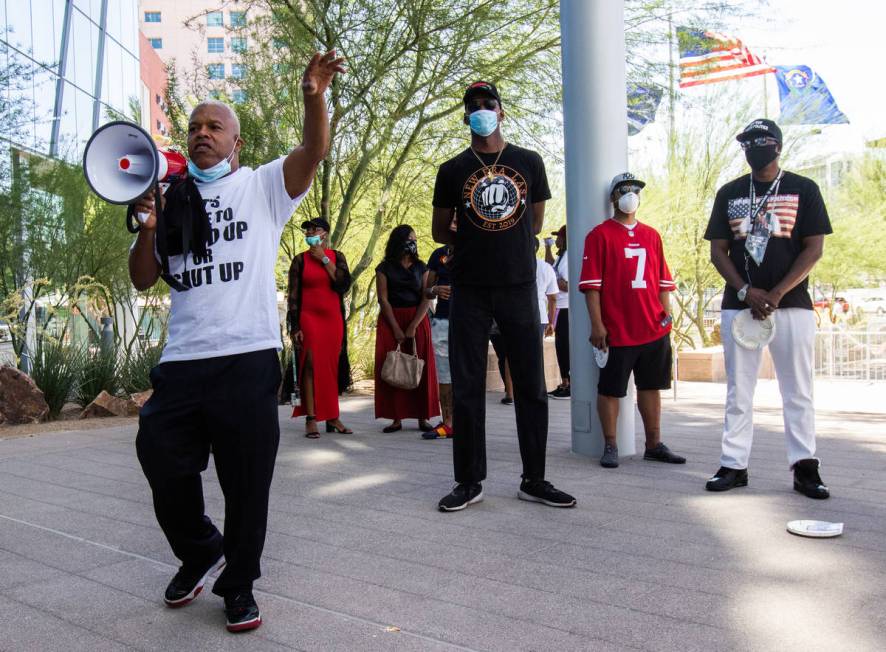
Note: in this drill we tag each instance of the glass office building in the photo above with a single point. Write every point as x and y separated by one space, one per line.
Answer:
66 67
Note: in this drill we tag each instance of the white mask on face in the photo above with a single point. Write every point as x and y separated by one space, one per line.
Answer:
629 203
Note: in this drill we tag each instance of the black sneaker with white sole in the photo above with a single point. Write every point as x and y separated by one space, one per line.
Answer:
542 491
188 582
561 393
462 495
242 612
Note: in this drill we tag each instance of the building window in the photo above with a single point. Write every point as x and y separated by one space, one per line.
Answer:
214 19
157 43
152 16
238 95
216 70
238 44
238 71
238 19
216 45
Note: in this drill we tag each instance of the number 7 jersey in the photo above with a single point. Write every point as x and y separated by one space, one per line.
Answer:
626 265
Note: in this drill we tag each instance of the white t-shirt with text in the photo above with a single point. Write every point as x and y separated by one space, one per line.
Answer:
231 306
546 285
561 268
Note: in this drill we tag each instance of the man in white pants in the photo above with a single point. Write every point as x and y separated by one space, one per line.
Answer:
767 232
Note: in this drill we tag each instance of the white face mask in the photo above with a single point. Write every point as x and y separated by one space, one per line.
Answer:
629 203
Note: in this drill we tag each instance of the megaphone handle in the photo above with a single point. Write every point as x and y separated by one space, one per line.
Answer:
133 224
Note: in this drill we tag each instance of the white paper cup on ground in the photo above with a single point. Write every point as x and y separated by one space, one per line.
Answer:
815 529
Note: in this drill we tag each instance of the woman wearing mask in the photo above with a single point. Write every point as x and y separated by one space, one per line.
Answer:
318 279
401 281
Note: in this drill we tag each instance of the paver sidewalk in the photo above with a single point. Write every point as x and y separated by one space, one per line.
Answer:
358 558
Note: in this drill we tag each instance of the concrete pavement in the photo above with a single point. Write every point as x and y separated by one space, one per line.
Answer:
358 558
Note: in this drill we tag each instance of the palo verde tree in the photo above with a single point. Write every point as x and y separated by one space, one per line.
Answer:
396 114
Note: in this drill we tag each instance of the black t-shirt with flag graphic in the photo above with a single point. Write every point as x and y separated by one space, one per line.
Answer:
494 243
796 211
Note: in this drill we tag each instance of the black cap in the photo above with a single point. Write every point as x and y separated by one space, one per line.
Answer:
760 127
316 221
481 87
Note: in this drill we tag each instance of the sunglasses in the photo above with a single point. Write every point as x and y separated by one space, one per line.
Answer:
759 141
623 190
488 104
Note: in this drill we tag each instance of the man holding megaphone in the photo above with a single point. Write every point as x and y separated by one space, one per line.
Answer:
215 243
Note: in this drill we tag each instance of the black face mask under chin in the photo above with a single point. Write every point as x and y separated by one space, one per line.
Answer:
759 157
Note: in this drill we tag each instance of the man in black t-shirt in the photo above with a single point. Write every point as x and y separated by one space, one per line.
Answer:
496 193
767 232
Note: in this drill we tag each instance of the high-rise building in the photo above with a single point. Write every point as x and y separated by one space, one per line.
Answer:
154 80
66 66
203 38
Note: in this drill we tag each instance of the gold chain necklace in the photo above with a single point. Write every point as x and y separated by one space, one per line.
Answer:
488 168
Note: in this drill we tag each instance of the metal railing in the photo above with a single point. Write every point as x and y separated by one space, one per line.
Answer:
856 355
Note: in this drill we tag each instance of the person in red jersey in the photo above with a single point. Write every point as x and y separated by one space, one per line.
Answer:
626 282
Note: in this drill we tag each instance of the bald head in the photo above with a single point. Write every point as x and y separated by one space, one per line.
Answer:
218 106
213 134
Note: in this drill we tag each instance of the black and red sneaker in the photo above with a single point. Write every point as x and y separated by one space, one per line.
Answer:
188 582
242 612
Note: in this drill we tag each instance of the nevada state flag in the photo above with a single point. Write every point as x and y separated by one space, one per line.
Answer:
805 99
643 102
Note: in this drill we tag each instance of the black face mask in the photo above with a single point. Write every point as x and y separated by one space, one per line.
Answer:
411 247
759 157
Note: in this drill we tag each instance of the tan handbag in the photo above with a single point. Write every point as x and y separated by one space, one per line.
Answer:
402 370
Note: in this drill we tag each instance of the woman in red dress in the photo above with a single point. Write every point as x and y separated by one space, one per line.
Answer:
318 278
401 280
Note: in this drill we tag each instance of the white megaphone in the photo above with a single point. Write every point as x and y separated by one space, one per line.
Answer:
122 163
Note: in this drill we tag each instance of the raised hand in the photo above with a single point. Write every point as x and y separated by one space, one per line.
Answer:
320 71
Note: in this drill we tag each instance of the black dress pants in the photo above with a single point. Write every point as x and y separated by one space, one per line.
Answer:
515 310
227 405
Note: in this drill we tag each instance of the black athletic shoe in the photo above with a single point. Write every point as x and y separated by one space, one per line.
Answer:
242 612
462 495
507 400
725 479
807 480
561 393
542 491
662 453
610 457
188 582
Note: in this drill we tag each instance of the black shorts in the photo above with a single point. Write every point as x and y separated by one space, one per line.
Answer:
650 362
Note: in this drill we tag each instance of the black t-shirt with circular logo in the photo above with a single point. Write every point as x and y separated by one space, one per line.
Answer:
494 242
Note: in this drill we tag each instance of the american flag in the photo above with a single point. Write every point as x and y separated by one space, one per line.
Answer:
782 210
710 57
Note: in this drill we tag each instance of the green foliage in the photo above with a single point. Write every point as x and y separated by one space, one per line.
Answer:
98 373
677 201
396 114
135 370
56 369
853 254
